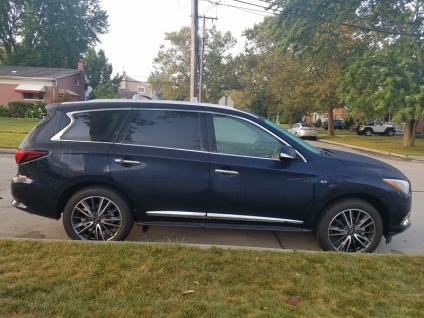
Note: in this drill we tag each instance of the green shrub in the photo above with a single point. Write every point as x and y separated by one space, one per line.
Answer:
38 110
318 123
18 109
348 122
4 112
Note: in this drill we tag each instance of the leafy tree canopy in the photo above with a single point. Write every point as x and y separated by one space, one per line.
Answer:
49 33
99 72
171 78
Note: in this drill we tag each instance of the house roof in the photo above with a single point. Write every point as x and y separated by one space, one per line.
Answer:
36 72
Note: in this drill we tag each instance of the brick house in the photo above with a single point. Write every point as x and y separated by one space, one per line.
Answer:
338 113
32 84
130 87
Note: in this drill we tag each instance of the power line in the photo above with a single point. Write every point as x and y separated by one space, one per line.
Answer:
252 11
332 22
328 13
180 8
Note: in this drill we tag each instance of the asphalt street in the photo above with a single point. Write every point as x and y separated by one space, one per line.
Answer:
18 224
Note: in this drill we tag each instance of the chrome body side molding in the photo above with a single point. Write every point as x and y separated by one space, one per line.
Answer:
180 214
219 216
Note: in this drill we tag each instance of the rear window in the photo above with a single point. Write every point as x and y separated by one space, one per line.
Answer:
308 125
165 128
101 126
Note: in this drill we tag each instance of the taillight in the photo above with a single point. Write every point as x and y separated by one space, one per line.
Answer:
22 156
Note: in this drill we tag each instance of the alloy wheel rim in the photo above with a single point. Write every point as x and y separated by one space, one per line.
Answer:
96 219
351 230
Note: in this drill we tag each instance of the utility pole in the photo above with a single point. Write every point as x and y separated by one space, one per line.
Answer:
203 34
194 48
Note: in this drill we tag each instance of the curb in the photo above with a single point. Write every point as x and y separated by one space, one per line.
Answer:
7 151
392 154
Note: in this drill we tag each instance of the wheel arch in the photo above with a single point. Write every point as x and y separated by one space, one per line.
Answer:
71 190
375 202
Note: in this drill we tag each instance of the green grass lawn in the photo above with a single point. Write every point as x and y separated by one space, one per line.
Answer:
74 279
17 125
13 130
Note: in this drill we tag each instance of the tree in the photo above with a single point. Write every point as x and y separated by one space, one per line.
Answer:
317 39
106 91
220 69
381 73
99 71
388 78
171 78
272 79
49 33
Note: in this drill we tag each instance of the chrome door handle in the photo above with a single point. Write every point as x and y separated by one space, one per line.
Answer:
127 162
226 172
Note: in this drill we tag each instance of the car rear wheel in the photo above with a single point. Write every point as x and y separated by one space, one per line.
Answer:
349 225
98 214
390 132
368 132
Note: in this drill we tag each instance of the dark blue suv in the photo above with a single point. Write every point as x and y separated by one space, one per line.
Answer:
103 165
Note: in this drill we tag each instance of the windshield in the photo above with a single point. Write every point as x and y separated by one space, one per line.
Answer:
290 137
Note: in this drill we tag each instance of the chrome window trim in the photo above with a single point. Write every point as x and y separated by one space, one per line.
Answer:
264 129
70 115
57 136
237 217
157 147
182 214
220 216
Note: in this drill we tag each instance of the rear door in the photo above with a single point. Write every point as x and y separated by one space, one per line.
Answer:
250 185
161 161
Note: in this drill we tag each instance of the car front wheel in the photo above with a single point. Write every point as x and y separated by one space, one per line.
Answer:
349 225
368 132
98 214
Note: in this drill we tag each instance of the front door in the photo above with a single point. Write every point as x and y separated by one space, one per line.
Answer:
250 185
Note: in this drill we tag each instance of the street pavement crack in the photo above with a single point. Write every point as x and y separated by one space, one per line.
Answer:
278 239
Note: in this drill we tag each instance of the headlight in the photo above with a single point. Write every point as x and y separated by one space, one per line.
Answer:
400 185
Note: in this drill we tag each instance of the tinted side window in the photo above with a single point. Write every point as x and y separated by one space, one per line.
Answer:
239 137
164 128
95 126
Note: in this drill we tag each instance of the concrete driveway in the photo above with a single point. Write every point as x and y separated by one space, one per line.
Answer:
18 224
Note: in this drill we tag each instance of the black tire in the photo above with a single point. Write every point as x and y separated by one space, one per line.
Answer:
337 229
390 132
98 214
367 132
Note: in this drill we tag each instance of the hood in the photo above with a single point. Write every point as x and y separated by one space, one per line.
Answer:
355 160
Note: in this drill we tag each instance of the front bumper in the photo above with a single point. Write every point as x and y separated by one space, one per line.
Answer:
397 229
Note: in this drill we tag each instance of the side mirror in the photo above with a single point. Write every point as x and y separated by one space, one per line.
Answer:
287 152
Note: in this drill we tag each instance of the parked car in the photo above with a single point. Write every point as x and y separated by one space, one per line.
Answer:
337 124
103 165
376 127
303 130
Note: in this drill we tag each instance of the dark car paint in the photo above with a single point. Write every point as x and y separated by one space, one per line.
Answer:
292 189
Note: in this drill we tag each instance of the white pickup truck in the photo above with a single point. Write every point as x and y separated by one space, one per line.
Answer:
376 127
